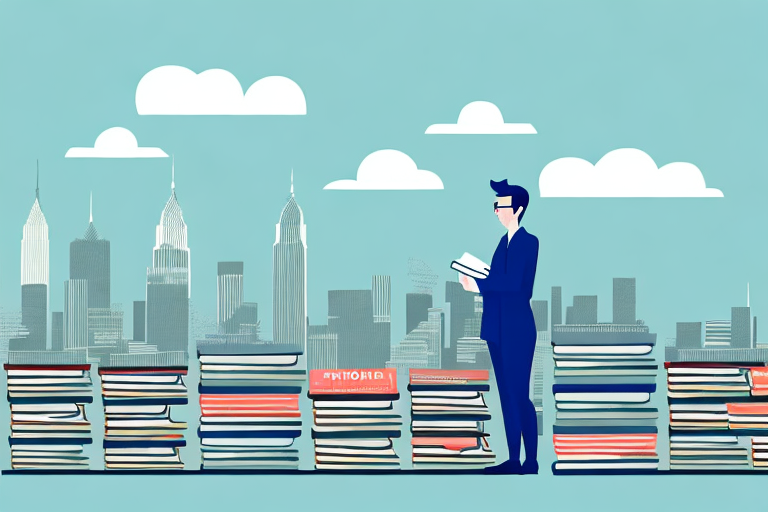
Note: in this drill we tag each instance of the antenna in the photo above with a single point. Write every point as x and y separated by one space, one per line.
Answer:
747 294
173 172
91 209
291 182
37 186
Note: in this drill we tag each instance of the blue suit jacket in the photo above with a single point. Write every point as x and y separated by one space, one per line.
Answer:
507 316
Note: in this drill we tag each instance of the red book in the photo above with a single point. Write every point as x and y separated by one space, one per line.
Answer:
364 381
449 443
425 376
758 378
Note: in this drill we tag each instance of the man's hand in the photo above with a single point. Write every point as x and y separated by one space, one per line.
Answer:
468 283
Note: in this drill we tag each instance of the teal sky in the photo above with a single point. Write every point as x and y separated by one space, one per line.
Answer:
683 81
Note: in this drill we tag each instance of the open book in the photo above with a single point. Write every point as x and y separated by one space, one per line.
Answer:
471 266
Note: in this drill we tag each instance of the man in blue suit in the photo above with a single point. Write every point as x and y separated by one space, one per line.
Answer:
508 326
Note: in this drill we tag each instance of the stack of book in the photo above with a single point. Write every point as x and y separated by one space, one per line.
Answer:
354 419
249 406
718 415
760 452
448 415
138 430
48 422
604 380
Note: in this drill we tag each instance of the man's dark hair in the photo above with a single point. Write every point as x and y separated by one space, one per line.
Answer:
519 195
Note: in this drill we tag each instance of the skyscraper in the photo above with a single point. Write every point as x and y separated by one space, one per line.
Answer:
229 294
168 281
688 335
741 331
584 309
321 348
350 317
289 274
717 334
416 309
139 320
557 305
89 259
57 331
540 314
381 302
34 276
75 314
624 298
462 308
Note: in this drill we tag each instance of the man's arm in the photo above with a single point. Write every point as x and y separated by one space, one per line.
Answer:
518 280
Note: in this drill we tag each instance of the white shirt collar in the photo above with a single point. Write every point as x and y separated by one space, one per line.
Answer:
510 234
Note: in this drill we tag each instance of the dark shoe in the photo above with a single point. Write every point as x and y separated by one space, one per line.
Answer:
529 468
505 468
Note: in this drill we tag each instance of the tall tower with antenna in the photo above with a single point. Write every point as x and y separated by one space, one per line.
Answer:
289 277
168 280
34 275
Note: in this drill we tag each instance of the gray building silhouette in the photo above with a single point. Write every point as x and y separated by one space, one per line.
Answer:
57 330
229 294
584 309
557 306
168 309
322 345
540 314
139 320
416 309
89 259
461 306
688 335
624 300
289 274
34 279
168 287
350 318
76 314
741 335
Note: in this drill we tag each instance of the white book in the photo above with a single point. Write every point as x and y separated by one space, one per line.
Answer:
471 266
603 349
266 359
603 397
256 442
704 371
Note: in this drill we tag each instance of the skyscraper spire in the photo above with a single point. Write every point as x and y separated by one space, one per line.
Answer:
747 294
173 173
291 182
37 185
90 216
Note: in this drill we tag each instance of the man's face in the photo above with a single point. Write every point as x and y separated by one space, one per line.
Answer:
504 211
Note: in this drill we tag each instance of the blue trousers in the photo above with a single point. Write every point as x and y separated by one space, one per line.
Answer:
512 367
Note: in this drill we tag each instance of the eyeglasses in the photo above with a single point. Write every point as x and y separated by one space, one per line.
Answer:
496 206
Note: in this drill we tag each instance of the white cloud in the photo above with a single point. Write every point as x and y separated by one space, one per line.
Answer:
176 91
623 172
481 118
116 142
389 169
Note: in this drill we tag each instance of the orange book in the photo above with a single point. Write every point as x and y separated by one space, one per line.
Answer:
249 413
748 408
290 403
355 381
